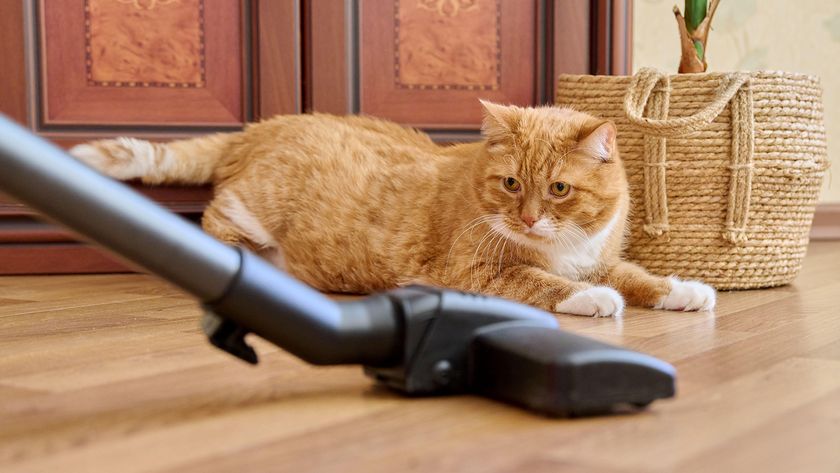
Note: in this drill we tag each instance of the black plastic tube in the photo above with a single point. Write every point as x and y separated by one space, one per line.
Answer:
294 316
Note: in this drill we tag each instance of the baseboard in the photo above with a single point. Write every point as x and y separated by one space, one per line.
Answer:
826 224
57 258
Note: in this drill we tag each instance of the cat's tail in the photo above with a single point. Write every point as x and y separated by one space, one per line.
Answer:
191 161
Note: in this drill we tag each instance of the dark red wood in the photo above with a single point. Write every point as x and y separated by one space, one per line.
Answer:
570 43
28 242
179 199
326 58
57 258
621 51
276 58
612 37
451 100
69 97
24 229
12 63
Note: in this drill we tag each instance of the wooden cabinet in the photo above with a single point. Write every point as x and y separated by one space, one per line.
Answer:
76 70
427 62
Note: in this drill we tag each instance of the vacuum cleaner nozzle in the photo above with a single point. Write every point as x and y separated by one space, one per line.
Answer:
464 343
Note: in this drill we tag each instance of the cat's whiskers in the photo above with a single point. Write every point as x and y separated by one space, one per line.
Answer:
487 234
581 225
501 235
490 260
559 237
476 266
501 256
509 237
567 245
469 226
578 231
570 234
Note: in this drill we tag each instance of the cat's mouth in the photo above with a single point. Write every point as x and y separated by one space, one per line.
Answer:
540 232
541 229
534 233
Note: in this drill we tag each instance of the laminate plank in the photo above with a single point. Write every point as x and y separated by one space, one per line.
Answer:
831 351
803 439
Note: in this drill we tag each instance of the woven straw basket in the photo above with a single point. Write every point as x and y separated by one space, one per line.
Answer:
724 169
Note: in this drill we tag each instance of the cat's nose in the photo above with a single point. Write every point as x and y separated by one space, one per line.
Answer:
528 219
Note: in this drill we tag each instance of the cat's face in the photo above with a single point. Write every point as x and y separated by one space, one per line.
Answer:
551 175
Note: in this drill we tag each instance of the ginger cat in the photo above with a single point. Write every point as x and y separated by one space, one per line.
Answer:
536 212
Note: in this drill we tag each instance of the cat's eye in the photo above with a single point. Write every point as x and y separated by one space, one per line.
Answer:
511 184
559 189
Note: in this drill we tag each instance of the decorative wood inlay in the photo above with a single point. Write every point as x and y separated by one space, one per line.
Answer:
147 4
448 7
145 43
447 44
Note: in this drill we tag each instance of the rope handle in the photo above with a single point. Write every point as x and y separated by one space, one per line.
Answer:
646 80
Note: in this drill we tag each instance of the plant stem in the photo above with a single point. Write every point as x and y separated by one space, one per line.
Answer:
694 31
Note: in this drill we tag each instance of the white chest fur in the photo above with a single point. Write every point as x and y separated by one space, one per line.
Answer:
578 255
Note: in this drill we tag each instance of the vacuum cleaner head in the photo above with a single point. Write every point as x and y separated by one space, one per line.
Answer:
464 343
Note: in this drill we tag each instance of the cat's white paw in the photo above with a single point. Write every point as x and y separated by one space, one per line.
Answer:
688 296
598 301
121 158
90 155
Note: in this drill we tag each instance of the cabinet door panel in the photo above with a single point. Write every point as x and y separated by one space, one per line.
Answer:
427 62
141 62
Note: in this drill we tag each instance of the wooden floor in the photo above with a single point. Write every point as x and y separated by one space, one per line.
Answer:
111 373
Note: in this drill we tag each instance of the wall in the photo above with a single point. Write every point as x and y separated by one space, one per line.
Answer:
799 36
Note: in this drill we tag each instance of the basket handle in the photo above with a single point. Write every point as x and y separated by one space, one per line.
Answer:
643 84
734 90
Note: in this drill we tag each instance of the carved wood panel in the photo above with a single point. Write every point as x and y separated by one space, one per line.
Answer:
156 43
444 45
427 62
142 62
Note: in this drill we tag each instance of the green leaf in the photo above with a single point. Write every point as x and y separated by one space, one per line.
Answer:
695 13
699 47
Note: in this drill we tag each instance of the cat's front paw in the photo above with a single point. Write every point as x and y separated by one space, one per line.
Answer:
688 296
597 301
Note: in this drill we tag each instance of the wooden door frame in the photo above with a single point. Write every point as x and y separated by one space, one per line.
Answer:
612 43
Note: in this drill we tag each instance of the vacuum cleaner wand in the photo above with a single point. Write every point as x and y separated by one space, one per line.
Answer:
418 340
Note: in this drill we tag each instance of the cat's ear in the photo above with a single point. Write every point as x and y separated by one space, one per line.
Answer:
598 141
499 123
